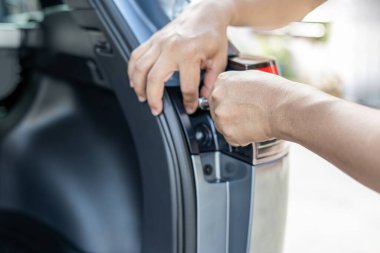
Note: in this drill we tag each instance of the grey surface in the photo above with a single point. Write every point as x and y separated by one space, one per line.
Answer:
269 207
223 203
328 210
70 163
212 213
240 208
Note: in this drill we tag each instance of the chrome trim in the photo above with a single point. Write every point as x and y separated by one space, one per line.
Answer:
269 207
264 152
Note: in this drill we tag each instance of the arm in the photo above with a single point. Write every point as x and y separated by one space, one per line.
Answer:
346 134
270 14
253 106
197 40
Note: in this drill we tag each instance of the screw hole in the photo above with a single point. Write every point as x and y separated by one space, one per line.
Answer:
207 170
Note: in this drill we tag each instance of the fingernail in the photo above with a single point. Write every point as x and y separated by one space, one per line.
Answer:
155 112
168 77
131 84
141 99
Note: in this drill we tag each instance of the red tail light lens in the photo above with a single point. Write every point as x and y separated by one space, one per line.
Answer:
249 62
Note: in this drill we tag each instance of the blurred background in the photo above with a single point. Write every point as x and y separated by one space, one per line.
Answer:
337 49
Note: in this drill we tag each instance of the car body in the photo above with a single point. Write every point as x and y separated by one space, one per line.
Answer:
85 167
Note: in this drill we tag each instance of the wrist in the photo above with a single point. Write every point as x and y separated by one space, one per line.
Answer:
289 109
298 110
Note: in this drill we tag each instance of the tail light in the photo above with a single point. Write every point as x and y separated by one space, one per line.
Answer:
249 62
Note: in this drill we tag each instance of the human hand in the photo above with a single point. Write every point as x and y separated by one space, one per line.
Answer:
248 106
195 40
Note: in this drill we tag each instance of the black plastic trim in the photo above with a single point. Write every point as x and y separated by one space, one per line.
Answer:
164 134
21 233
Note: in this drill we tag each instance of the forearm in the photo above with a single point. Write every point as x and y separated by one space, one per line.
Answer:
264 14
269 14
346 134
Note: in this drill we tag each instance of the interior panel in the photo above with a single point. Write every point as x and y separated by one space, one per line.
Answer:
70 163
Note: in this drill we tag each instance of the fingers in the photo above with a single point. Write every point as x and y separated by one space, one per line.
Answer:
220 113
141 70
136 54
152 63
158 75
221 128
189 78
149 73
214 101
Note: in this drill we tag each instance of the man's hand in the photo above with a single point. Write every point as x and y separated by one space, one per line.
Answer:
251 106
244 105
195 40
